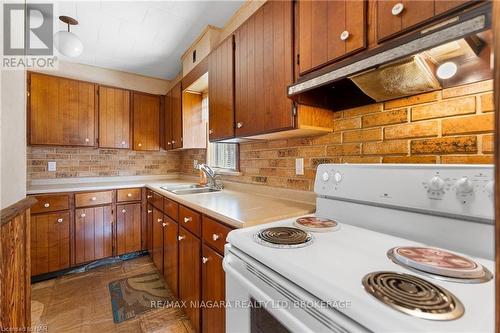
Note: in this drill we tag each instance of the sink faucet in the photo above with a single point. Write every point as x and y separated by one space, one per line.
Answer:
213 180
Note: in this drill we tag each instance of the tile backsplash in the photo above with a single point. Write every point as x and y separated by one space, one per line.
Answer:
453 125
91 162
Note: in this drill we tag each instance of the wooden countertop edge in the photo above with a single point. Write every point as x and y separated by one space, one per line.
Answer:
8 213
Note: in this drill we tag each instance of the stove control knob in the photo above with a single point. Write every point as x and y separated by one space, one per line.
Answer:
337 177
464 186
436 184
325 177
490 188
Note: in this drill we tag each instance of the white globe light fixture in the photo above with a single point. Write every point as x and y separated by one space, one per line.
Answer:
67 42
446 70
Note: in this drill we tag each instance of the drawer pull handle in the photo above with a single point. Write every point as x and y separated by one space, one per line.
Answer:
181 237
216 236
59 220
93 199
188 219
344 35
124 211
149 211
397 9
83 215
159 220
164 224
46 205
204 260
150 196
129 195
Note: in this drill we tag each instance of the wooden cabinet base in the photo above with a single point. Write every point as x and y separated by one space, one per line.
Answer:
213 291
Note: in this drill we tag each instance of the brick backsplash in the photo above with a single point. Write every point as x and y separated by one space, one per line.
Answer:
91 162
453 125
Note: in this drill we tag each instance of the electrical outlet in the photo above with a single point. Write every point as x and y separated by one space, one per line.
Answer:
299 166
195 164
51 166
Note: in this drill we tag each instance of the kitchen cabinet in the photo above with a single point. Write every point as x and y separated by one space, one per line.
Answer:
190 275
176 110
93 198
221 91
170 254
329 30
146 121
167 122
194 123
213 291
128 228
114 118
50 242
61 111
149 228
157 246
93 233
263 70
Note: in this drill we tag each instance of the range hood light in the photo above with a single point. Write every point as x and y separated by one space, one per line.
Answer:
446 70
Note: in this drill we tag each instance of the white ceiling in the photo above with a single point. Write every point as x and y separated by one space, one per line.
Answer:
143 37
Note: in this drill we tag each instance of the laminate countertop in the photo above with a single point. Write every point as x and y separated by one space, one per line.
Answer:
238 205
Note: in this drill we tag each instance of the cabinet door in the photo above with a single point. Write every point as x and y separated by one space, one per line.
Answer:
157 239
176 104
329 30
167 126
146 121
170 254
128 228
213 289
189 274
396 16
221 92
49 242
149 229
263 70
114 118
62 111
93 233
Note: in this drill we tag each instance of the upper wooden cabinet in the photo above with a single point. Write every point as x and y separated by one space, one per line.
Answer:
61 111
146 121
329 30
176 111
394 17
167 122
221 91
263 70
114 118
194 123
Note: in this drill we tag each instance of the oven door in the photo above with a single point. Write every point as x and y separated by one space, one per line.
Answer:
259 300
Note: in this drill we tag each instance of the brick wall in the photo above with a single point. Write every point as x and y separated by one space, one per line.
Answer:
454 125
90 162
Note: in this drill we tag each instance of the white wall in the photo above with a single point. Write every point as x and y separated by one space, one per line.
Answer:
12 137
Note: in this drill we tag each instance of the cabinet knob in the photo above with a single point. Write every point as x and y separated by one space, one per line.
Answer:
239 125
397 9
149 211
210 131
204 260
83 215
216 236
59 220
129 195
164 224
159 220
46 205
344 35
180 237
149 196
124 143
173 142
93 198
139 145
124 211
188 219
87 140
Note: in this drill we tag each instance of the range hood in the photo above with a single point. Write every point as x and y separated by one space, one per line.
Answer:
399 68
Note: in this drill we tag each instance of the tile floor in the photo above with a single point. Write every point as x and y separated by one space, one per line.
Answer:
80 303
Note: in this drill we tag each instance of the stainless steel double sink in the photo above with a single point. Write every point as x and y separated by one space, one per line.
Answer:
188 189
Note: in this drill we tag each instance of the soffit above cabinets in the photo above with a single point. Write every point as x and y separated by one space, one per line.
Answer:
142 37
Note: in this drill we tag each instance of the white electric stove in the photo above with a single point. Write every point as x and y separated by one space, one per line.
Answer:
410 249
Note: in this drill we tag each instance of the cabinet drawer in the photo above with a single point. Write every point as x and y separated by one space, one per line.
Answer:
214 233
128 194
171 208
155 199
93 198
50 203
190 220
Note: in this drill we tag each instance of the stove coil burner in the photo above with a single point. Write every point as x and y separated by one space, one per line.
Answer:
413 296
283 237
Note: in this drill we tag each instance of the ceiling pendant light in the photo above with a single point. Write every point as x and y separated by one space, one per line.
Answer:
67 42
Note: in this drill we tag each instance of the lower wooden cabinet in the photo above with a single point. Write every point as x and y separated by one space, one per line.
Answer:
157 243
213 291
50 242
93 234
128 228
170 254
189 274
149 228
